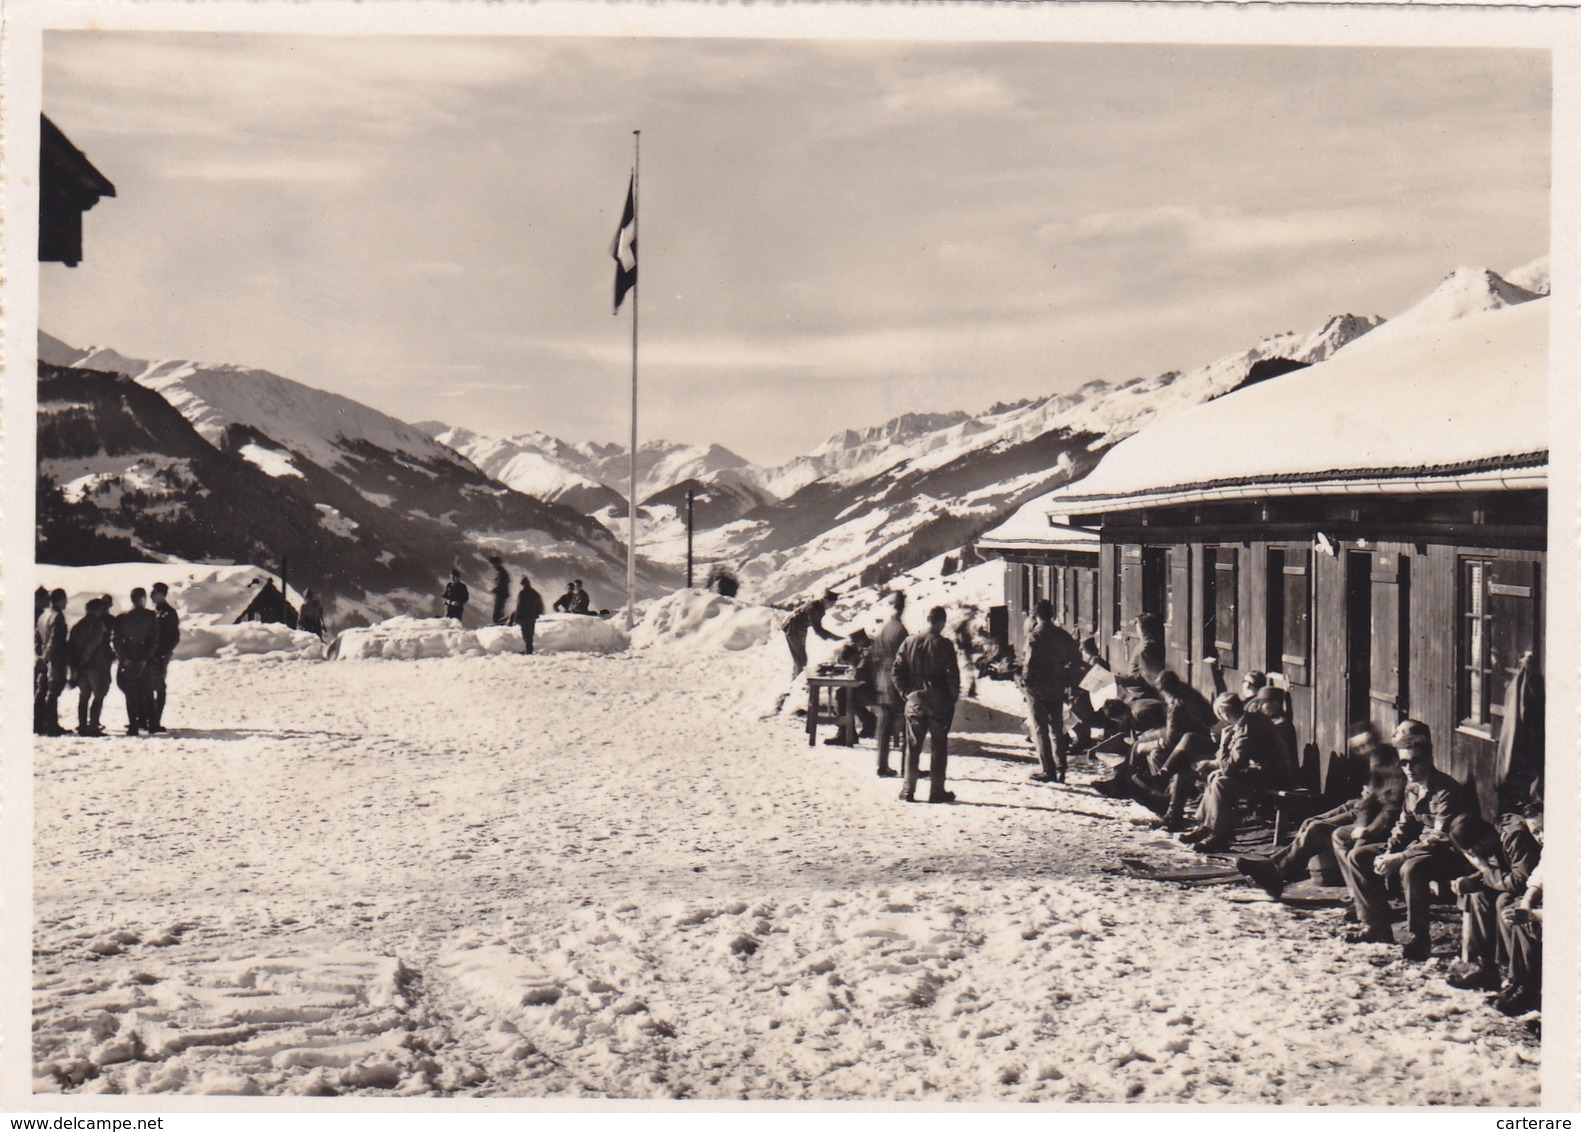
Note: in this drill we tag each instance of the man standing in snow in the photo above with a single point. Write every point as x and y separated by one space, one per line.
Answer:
927 673
455 596
890 702
809 616
1051 655
90 660
312 616
502 589
54 657
135 639
169 622
529 607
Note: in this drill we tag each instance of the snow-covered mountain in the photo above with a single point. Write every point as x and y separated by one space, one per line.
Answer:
856 454
1466 291
550 468
934 490
381 510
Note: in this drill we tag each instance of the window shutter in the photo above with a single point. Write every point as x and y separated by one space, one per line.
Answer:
1390 638
1225 604
1296 646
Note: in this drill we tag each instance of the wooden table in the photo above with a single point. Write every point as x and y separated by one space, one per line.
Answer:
818 713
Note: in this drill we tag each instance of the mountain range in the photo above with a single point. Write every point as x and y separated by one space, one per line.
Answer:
866 504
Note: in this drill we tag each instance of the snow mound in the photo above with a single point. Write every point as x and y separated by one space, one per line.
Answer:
421 638
253 638
702 621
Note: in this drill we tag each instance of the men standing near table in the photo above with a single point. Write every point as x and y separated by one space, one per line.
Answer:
53 658
809 616
890 703
169 623
502 589
1051 655
135 639
929 676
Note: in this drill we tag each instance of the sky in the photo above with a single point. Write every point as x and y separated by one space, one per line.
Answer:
831 233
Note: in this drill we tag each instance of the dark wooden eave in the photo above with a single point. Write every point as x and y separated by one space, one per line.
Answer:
68 186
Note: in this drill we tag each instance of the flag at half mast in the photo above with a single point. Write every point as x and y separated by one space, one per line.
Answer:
624 249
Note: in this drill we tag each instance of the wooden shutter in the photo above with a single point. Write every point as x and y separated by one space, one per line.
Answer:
1296 613
1225 604
1390 636
1177 617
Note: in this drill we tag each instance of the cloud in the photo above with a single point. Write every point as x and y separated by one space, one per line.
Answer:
956 91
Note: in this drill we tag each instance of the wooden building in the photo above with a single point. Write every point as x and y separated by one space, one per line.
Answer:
1372 528
1046 560
68 186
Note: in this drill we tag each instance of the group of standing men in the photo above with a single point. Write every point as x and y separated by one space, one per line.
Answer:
528 608
911 678
139 643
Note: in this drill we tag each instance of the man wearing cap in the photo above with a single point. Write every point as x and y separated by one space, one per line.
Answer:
809 616
169 623
1051 655
502 589
929 676
1420 848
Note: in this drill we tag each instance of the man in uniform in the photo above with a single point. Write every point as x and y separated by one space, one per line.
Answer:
1363 820
90 661
890 704
1420 849
169 622
809 616
502 590
54 658
455 596
927 673
1051 654
135 640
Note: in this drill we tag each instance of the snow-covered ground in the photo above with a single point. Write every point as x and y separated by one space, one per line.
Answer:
579 875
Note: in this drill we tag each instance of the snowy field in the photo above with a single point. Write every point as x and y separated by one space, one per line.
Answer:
584 875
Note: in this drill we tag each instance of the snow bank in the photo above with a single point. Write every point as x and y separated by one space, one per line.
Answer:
251 639
702 622
420 638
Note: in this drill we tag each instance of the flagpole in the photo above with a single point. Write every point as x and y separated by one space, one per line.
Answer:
631 506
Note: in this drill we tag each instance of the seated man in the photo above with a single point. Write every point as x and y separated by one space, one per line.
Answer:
1521 936
1248 749
1165 761
1419 849
1504 864
1363 820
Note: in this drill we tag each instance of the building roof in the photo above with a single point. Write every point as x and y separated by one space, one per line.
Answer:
1459 405
1031 529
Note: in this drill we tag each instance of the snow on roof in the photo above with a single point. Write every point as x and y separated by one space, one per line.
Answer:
1464 399
1030 529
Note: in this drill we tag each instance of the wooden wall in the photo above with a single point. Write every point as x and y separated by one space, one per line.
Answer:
1418 679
